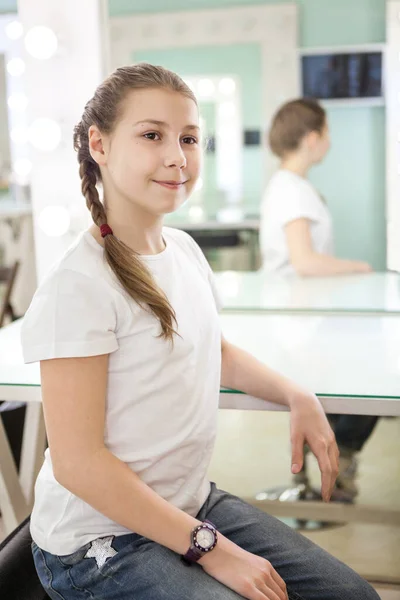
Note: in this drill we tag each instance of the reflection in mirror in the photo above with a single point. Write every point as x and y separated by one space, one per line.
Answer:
242 63
221 180
230 102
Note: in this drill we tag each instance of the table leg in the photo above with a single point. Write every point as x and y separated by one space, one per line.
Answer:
12 502
32 453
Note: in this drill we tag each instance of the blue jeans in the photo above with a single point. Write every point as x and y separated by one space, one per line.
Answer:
143 570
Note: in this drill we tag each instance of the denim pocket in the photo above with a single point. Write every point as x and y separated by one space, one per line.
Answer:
99 564
102 550
69 560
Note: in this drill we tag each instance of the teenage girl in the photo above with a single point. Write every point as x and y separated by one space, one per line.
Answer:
132 358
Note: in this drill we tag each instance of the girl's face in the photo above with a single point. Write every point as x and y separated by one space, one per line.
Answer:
153 156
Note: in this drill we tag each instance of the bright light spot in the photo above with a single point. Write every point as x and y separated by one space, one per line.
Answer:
16 67
14 30
22 167
45 134
227 110
19 135
54 221
231 214
17 102
227 86
205 88
41 42
196 213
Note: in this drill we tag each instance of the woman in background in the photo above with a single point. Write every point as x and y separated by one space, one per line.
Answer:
297 238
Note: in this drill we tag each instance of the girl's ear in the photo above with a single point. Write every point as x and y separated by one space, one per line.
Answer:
97 145
312 138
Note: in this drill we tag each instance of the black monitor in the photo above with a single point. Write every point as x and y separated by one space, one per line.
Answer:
342 76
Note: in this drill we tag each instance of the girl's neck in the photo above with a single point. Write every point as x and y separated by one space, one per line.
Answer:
141 234
296 164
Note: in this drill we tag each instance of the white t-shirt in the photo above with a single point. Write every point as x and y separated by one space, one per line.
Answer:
289 197
162 401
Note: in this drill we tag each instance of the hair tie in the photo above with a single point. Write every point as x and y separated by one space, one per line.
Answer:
105 230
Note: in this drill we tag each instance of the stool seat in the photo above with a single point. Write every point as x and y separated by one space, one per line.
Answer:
18 577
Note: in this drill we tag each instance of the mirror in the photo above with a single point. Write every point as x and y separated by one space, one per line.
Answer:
242 63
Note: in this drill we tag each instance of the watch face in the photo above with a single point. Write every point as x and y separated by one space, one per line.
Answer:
205 538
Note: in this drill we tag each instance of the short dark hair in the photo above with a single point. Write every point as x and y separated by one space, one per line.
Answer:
292 122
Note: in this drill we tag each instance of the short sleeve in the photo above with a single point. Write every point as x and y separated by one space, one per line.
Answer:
71 315
205 267
297 202
213 285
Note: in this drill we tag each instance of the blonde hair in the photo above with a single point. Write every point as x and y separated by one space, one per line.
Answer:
103 111
292 122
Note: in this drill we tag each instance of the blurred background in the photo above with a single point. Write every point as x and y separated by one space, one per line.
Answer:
242 59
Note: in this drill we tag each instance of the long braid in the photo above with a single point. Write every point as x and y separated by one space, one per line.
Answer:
103 111
125 263
87 172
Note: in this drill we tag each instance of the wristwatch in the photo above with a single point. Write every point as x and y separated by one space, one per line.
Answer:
203 539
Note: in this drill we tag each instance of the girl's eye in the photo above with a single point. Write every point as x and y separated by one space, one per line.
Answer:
189 140
152 135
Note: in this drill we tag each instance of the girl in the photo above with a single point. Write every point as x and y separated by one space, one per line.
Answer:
127 334
297 237
296 230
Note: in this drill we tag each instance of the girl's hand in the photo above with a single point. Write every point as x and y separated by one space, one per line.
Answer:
309 425
363 267
246 574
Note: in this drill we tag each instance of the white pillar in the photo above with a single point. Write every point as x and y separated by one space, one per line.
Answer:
392 92
58 88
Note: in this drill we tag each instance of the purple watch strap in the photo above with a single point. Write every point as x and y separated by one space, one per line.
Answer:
194 554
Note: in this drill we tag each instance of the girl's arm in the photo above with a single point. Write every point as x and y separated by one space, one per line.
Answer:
241 371
307 262
74 392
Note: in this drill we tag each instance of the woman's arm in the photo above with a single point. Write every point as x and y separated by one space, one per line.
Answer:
74 392
241 371
307 262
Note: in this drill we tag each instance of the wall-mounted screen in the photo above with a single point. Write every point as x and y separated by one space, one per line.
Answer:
342 76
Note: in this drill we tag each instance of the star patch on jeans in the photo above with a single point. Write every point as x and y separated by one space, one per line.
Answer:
101 550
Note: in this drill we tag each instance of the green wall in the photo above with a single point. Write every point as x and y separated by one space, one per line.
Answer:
322 22
352 179
8 6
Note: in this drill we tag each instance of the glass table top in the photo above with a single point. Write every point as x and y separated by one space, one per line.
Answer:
332 356
261 292
213 216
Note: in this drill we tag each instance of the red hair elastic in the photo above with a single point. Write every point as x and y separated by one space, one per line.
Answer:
105 230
